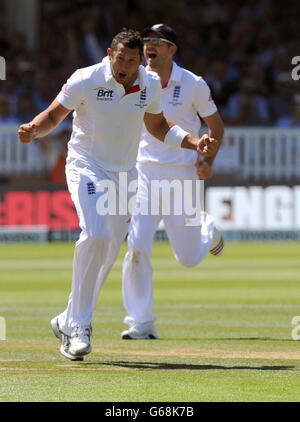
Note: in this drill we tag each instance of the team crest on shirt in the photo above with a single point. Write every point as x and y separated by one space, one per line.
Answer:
91 188
176 96
65 89
104 94
143 99
210 98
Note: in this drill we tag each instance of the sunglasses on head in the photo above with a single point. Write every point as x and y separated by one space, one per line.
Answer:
156 41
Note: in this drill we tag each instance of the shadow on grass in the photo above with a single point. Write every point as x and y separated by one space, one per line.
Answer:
262 339
176 366
239 339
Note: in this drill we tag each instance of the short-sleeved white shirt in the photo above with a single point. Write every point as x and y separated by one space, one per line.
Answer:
185 96
107 121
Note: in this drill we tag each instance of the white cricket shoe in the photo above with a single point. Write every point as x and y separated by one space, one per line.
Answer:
217 246
65 349
80 340
140 332
65 341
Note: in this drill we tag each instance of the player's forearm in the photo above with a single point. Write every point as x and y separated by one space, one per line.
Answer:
175 136
44 124
158 127
217 133
190 142
161 131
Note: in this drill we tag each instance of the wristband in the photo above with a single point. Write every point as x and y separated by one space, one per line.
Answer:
175 136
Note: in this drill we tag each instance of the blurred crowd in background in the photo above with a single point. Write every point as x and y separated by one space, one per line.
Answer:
242 49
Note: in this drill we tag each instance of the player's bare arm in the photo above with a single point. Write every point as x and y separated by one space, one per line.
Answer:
204 170
43 123
159 126
216 131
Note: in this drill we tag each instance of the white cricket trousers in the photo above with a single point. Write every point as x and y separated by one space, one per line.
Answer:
99 242
190 244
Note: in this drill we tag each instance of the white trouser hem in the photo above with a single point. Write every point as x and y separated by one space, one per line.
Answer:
130 321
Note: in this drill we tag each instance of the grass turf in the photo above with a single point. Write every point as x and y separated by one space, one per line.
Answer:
225 329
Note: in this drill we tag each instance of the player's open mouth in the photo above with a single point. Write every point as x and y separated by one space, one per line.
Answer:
151 56
122 75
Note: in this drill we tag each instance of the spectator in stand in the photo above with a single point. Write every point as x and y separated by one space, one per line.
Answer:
221 81
57 173
294 119
95 53
259 38
264 47
256 71
26 74
55 148
6 116
247 107
43 92
281 101
282 63
26 108
11 90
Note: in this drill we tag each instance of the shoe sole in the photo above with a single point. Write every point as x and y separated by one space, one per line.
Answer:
126 336
83 352
59 334
69 356
55 329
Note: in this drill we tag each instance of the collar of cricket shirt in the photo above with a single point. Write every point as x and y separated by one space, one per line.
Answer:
108 75
176 73
143 77
175 76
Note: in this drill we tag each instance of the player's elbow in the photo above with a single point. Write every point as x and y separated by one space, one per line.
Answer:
56 113
221 129
154 130
217 129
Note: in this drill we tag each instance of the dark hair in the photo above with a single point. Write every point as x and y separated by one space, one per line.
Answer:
129 38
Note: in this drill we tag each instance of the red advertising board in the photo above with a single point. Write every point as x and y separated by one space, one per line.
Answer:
53 209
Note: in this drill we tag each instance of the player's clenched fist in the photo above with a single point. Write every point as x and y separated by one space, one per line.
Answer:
207 146
27 132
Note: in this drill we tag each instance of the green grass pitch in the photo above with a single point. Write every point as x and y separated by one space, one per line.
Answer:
225 329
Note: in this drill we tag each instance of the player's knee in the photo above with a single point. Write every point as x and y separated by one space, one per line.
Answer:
138 244
98 236
134 257
188 261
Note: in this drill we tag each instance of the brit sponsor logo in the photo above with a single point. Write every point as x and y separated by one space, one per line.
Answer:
104 94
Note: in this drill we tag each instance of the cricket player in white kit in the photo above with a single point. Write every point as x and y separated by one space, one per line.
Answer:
184 96
111 100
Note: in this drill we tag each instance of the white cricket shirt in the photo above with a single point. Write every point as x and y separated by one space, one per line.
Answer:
107 121
184 96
